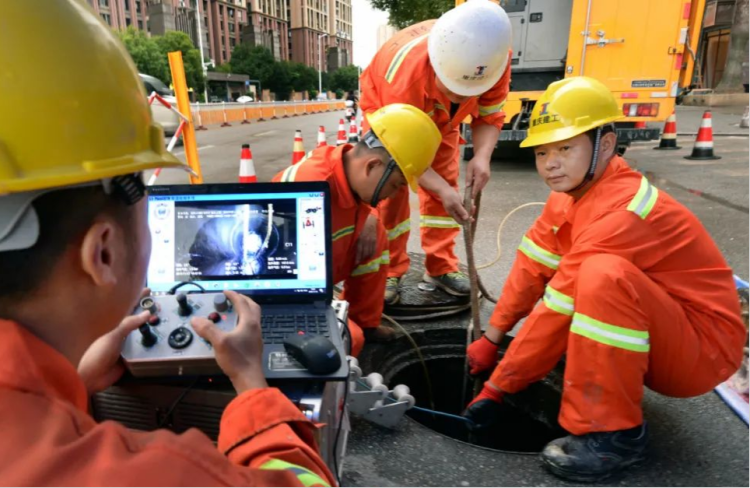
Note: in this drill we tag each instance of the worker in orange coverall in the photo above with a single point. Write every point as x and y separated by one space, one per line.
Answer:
74 249
634 292
451 68
397 150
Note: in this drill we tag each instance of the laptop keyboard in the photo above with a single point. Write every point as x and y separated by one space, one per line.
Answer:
276 327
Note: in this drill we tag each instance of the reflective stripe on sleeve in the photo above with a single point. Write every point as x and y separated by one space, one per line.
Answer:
305 476
438 222
485 110
643 201
537 253
399 58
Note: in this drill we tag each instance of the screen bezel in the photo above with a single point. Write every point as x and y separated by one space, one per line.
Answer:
292 187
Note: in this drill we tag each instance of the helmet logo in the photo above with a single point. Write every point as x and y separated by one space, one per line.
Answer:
544 116
480 70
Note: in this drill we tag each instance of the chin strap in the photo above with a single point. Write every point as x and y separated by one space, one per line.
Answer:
594 159
372 141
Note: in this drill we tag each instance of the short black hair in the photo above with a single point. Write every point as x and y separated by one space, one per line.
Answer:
64 216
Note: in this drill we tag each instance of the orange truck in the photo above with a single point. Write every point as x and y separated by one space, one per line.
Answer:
642 50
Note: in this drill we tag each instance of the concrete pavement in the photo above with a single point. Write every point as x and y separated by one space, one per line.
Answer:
697 442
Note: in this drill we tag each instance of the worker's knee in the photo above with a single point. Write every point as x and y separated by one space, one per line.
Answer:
357 338
600 272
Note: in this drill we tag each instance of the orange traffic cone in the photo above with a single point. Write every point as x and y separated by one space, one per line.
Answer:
668 139
704 142
640 125
341 136
298 150
321 137
247 168
353 136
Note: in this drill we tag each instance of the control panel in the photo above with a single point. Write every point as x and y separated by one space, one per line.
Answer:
167 343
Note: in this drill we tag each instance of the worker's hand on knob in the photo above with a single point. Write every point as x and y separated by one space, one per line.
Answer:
454 205
484 410
367 240
239 353
100 366
482 355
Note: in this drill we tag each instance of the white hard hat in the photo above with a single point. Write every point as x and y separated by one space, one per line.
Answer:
469 45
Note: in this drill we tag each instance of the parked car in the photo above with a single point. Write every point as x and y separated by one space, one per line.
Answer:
244 99
161 114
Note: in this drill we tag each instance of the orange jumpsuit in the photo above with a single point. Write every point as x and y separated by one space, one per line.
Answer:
401 73
48 438
633 290
361 280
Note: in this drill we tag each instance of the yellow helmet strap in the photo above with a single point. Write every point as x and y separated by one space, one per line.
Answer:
128 188
371 140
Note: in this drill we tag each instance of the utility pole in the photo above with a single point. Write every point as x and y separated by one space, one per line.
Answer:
199 21
320 64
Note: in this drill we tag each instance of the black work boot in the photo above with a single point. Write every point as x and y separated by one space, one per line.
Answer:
455 283
593 457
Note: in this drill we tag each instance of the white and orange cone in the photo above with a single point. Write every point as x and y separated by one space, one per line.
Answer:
353 136
341 136
247 167
321 137
668 139
298 150
704 142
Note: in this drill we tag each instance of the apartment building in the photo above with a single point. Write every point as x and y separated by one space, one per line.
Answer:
268 26
321 33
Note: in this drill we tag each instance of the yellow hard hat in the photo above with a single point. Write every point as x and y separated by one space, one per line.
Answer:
570 107
72 107
410 137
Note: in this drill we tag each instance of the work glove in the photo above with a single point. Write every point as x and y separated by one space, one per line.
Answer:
484 410
482 355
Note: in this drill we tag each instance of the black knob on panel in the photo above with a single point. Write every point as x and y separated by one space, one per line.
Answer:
148 338
184 309
221 304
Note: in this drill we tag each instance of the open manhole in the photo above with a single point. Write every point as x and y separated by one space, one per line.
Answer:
526 423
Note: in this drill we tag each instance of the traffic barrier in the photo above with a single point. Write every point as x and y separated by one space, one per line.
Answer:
247 167
224 110
175 137
321 137
200 119
298 149
668 139
273 113
207 114
244 114
341 136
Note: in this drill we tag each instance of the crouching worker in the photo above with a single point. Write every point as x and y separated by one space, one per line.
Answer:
634 292
74 248
396 151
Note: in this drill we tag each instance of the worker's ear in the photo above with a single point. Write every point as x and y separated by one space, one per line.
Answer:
373 162
99 251
608 146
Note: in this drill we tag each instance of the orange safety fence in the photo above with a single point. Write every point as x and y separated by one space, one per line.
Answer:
213 113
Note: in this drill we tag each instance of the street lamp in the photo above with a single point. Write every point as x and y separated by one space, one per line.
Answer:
320 64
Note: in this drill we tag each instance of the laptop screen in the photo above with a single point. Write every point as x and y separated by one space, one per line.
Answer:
271 242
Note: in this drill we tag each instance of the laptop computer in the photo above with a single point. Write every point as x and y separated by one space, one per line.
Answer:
269 241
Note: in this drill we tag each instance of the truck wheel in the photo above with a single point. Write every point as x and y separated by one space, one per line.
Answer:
468 153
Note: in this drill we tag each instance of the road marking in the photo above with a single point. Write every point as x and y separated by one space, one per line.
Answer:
182 151
261 134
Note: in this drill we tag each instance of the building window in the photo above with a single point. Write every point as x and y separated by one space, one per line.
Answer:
231 27
127 5
138 6
104 3
128 21
140 24
230 13
107 19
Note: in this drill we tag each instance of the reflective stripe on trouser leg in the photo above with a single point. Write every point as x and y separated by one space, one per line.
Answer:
394 211
439 238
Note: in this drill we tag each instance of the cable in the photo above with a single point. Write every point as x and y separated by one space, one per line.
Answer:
348 334
183 283
414 344
177 402
499 233
338 429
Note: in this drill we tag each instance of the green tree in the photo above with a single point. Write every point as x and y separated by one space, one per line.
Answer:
345 78
146 54
404 13
304 78
281 80
191 57
256 62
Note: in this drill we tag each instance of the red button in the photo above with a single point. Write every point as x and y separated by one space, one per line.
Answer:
154 320
214 317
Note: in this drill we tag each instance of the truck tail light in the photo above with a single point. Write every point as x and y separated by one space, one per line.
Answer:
640 109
